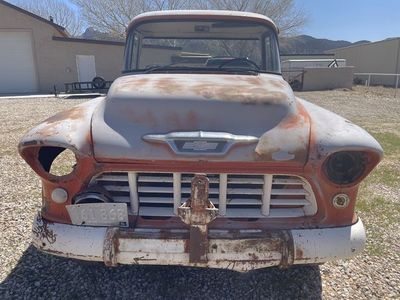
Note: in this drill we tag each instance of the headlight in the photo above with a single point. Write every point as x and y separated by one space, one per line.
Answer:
91 197
345 167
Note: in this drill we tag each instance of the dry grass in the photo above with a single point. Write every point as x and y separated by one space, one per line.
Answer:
27 273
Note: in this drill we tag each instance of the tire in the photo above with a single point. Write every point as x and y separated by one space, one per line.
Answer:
98 82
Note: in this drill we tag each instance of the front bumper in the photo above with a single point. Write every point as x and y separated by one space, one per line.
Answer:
239 250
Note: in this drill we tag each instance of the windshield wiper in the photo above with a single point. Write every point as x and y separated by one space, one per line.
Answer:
176 67
237 70
154 68
167 67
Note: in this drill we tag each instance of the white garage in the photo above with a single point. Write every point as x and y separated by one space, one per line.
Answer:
16 56
39 56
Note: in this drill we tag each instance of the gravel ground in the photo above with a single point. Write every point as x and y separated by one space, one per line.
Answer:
26 273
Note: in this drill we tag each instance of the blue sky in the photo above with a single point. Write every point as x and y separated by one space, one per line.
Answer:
350 20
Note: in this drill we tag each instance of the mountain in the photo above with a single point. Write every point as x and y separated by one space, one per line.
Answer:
301 44
305 44
92 34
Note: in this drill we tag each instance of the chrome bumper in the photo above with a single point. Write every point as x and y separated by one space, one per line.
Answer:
240 250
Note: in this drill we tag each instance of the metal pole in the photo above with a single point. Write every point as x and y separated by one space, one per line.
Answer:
397 85
369 79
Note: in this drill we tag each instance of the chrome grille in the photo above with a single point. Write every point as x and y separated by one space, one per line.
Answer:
235 195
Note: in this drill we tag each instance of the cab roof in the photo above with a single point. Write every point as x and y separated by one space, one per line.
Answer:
204 15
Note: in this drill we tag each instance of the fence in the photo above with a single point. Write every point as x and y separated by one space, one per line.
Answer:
379 78
294 77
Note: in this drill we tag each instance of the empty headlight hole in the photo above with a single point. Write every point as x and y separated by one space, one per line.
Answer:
57 161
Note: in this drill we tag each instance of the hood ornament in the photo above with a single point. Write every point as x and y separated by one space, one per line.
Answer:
200 142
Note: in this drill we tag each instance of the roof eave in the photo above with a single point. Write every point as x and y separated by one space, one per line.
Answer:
59 28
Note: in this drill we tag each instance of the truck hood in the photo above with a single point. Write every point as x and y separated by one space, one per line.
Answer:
198 117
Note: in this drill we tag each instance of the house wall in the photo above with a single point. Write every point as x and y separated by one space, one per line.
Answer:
108 59
320 79
55 61
379 57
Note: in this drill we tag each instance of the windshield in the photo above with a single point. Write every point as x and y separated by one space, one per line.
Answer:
203 46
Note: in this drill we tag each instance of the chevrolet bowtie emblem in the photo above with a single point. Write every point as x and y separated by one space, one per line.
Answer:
200 145
200 142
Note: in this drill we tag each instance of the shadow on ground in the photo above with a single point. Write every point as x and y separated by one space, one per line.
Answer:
39 275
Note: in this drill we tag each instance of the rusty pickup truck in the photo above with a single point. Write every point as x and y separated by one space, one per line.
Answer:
201 155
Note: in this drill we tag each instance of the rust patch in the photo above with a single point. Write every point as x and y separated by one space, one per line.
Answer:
258 245
263 88
239 93
110 247
168 85
253 80
287 249
279 84
147 118
253 256
49 130
42 232
299 253
296 120
74 113
192 119
197 212
198 244
141 81
173 120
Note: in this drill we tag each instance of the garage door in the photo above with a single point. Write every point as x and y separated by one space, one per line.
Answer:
17 68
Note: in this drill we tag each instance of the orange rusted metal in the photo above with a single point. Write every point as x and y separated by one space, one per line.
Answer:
198 212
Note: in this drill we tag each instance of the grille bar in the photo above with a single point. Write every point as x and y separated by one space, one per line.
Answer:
134 199
266 198
223 184
235 195
177 178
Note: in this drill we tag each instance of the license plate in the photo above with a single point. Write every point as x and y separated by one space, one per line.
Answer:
99 214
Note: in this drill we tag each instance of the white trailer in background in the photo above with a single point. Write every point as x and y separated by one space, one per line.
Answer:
293 69
312 63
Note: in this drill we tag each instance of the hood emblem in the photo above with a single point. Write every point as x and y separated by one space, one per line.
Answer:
200 142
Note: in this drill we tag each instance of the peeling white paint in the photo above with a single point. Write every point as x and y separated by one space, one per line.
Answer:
282 156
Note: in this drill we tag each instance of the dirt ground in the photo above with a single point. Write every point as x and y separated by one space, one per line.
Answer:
26 273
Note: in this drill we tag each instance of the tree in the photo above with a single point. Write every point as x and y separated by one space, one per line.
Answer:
113 16
284 13
62 14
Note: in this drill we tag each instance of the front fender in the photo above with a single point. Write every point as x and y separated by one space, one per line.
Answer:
69 129
331 133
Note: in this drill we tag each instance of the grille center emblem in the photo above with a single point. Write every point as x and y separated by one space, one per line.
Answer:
200 142
200 146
